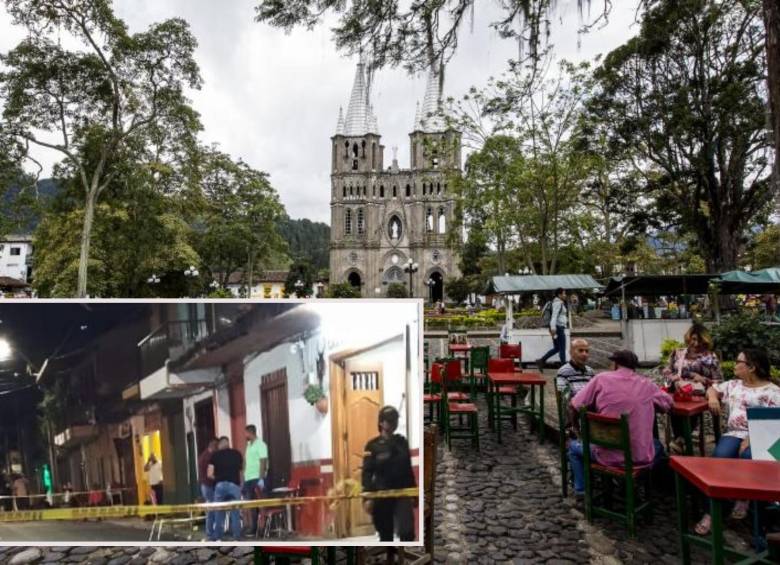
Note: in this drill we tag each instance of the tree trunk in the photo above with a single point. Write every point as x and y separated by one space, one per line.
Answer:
772 24
86 235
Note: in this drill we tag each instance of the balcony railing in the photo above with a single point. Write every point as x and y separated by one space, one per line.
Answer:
169 341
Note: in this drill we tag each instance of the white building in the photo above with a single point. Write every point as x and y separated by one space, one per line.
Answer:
16 256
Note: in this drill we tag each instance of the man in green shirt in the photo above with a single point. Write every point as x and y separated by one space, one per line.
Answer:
255 467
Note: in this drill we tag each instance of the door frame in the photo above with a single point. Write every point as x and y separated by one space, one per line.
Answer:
340 423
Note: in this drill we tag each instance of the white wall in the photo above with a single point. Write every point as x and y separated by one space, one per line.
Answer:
310 431
14 266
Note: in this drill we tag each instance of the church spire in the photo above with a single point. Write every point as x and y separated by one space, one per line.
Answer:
417 118
340 123
359 120
432 119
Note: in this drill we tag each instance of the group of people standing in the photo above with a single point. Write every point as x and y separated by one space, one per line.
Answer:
694 370
220 471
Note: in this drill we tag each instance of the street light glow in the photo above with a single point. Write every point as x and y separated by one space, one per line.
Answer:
5 350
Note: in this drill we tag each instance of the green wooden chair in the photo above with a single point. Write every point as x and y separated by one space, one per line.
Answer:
612 433
560 402
478 367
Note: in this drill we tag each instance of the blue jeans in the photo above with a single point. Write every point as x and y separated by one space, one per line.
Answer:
207 492
728 448
226 492
577 465
248 491
559 345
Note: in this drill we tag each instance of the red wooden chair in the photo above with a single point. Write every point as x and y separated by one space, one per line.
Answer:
503 365
451 408
512 351
453 369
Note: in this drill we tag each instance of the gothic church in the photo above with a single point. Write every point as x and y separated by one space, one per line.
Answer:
382 217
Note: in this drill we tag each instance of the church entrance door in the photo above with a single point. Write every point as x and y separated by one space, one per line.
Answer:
437 288
354 279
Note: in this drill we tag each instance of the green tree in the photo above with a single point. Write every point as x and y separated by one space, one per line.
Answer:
686 98
397 290
98 98
343 290
300 271
237 217
458 289
306 240
764 249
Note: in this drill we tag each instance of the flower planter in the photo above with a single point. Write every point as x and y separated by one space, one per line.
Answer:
322 405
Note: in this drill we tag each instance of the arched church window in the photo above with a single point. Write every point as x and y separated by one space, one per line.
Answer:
373 191
365 190
394 228
354 150
381 191
361 222
438 188
442 221
348 222
344 190
363 147
408 191
373 155
395 191
429 220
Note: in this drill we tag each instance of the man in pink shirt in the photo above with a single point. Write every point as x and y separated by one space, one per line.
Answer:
617 392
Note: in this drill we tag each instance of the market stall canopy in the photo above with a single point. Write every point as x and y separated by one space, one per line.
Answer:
658 285
539 283
756 282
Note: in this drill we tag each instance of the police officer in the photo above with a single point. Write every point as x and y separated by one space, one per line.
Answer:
387 465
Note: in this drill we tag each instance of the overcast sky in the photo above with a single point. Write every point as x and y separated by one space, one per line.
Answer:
272 98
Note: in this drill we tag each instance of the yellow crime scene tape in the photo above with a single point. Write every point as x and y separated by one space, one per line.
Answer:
83 513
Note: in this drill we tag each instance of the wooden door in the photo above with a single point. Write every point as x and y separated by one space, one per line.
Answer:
238 415
363 400
276 427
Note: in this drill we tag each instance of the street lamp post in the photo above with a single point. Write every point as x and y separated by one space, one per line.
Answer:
298 288
191 273
430 283
411 268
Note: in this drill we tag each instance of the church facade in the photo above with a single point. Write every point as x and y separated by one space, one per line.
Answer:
383 217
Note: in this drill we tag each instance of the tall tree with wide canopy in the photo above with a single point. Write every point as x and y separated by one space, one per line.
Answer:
686 99
97 99
236 227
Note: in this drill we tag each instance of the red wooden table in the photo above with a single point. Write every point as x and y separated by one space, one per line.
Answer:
719 480
688 410
532 380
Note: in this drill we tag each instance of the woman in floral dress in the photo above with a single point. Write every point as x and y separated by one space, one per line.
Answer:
751 388
696 367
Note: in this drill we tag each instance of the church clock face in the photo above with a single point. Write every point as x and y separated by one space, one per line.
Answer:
394 229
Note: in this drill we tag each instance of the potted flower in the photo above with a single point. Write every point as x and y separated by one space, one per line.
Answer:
315 396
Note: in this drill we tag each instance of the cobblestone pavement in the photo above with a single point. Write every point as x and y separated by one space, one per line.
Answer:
504 505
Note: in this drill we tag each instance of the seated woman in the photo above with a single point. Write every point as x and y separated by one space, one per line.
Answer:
697 366
751 388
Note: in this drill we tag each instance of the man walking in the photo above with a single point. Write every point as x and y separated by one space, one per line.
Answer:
207 483
255 466
225 470
387 465
559 320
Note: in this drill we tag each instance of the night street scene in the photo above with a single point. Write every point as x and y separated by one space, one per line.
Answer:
112 405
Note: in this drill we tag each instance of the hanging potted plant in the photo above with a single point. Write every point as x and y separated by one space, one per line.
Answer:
315 396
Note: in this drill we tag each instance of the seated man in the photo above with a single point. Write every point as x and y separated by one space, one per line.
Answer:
574 375
617 392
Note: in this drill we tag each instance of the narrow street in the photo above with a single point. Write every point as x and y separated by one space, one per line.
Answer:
62 531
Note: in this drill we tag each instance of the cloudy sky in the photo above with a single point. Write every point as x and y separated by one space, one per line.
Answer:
272 98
